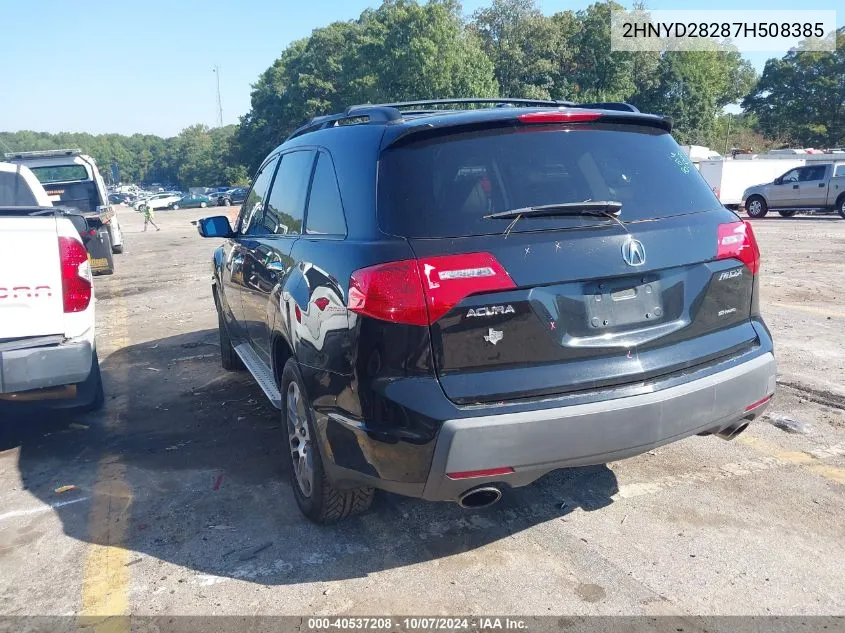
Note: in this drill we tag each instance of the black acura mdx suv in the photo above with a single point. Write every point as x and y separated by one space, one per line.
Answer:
446 300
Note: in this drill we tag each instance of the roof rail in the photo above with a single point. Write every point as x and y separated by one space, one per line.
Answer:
372 113
43 153
466 101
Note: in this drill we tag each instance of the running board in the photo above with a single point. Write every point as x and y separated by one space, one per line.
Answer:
263 375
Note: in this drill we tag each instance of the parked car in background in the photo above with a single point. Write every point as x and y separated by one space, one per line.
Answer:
119 198
447 304
813 187
161 200
232 196
192 200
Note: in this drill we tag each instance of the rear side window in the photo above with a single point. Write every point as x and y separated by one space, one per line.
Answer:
325 210
286 206
840 171
442 187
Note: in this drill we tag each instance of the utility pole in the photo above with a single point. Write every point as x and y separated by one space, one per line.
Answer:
216 71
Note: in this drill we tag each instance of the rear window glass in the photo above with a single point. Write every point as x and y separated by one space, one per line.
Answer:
14 191
60 173
443 186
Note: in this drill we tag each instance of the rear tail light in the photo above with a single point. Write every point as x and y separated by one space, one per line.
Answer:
558 116
322 303
736 241
76 275
419 292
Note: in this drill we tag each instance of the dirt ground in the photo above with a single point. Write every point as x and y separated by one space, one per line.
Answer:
182 504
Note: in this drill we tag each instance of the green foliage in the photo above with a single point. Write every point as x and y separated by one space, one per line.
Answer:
523 45
402 50
692 87
199 156
409 49
801 97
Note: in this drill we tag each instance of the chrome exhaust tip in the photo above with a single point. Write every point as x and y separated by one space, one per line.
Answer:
482 497
732 432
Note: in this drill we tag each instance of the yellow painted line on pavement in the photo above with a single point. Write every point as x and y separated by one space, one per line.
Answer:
809 309
106 576
798 458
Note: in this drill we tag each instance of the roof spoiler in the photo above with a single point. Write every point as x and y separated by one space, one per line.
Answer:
387 112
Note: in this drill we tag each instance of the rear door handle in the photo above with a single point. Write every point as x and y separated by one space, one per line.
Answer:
821 184
795 186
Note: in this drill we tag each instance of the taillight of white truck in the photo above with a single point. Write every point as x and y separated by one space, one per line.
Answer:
76 275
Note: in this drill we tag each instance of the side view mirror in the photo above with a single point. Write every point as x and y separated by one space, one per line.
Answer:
216 226
778 180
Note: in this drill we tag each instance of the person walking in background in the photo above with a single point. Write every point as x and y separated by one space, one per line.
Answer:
149 217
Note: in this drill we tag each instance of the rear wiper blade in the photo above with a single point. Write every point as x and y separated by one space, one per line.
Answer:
587 207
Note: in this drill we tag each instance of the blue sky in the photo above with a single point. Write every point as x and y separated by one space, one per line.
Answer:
132 66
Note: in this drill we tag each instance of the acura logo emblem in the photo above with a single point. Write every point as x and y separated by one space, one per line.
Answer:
633 252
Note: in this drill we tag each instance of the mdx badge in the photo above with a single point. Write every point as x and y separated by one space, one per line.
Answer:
633 252
730 274
490 311
493 336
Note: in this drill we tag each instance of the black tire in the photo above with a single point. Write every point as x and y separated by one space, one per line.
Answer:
91 390
756 207
227 202
325 503
174 206
117 250
787 214
203 205
840 205
228 358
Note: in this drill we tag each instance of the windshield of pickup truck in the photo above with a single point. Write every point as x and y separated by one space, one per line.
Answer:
60 173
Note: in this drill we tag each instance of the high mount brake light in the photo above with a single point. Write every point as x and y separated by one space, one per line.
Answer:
736 240
421 291
559 117
76 275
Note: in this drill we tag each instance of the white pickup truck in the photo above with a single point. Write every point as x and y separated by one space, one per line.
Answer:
72 179
47 349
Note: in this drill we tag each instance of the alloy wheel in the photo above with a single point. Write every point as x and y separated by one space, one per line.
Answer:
300 440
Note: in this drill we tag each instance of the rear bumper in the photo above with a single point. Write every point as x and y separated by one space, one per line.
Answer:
43 367
534 443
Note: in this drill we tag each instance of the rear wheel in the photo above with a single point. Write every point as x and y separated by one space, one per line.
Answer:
787 214
316 497
174 206
756 207
108 255
840 205
203 205
227 202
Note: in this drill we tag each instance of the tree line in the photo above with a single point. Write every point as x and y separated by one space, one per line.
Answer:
408 49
